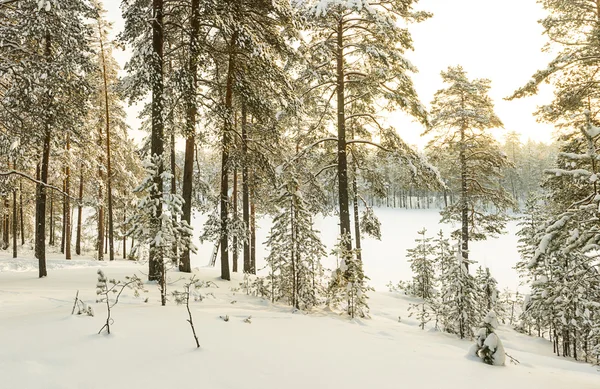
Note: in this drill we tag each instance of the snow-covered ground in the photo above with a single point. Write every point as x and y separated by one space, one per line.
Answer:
43 346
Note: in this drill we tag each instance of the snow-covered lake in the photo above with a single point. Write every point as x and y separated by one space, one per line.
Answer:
385 260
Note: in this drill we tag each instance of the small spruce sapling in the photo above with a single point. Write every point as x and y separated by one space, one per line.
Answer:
106 287
488 346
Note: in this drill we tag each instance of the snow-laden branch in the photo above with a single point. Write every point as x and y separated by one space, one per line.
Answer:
368 143
28 177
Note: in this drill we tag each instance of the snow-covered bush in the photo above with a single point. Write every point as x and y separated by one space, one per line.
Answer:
489 346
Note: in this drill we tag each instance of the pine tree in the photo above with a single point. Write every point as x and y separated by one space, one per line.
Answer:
348 288
459 296
461 114
295 249
377 43
489 346
174 231
422 265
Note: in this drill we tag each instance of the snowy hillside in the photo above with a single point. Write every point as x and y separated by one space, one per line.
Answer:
43 346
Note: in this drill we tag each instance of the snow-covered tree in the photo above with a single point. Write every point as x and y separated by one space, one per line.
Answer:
489 346
44 57
488 287
422 264
459 295
296 273
462 114
173 231
348 285
355 51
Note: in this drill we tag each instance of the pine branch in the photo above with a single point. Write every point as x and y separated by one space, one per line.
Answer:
28 177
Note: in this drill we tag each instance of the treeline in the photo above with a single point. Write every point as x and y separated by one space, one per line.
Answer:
63 136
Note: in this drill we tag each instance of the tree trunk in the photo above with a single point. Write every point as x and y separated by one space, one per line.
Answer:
40 206
22 222
6 223
156 263
355 204
68 204
51 218
108 164
464 198
235 213
342 156
245 191
190 123
124 233
225 162
252 233
79 212
173 188
14 223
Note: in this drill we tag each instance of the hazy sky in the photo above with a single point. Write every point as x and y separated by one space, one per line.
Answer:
499 40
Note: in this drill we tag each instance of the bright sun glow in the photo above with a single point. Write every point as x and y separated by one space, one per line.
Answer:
489 39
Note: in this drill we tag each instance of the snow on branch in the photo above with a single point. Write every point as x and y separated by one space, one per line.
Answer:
28 177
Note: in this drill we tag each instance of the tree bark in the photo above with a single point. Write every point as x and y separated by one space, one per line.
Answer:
64 218
6 223
341 151
225 162
156 264
100 213
14 223
68 204
173 188
190 140
22 222
464 198
355 205
108 162
245 191
252 233
40 232
79 212
235 213
40 206
124 233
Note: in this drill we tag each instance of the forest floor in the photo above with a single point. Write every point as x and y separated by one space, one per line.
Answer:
43 346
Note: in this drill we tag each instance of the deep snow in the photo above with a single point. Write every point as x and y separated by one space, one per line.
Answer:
43 346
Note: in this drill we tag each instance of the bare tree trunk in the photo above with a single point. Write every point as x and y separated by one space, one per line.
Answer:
22 222
355 204
68 205
156 262
105 237
252 232
14 223
464 198
235 212
341 150
225 162
108 164
79 212
124 233
190 123
245 191
6 223
51 218
40 231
